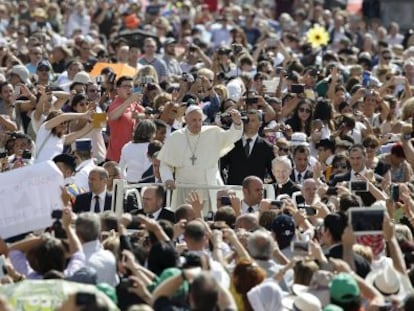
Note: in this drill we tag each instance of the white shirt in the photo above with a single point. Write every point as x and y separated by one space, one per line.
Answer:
103 261
48 145
134 161
156 214
245 208
101 201
363 173
82 174
251 144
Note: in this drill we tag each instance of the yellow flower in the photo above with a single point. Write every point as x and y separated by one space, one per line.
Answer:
318 36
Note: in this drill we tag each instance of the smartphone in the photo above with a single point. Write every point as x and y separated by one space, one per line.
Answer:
48 89
358 186
395 192
297 88
252 100
277 204
209 217
331 191
125 283
299 248
366 78
225 201
299 199
310 211
57 214
17 90
27 154
366 220
85 299
3 155
3 270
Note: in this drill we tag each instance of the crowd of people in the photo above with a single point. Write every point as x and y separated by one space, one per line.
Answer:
284 131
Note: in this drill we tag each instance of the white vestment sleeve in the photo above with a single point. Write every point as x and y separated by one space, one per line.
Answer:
166 172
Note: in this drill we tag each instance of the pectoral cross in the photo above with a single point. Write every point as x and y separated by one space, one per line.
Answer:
193 159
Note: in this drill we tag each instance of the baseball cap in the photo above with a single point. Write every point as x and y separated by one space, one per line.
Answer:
284 226
169 41
82 77
44 63
22 72
84 144
344 288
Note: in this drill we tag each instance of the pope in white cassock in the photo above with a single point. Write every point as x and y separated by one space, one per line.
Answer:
191 154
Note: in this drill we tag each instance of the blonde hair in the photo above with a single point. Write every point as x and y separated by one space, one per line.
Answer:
363 251
146 71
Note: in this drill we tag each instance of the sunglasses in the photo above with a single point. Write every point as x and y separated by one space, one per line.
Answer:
372 146
305 110
284 149
340 165
83 104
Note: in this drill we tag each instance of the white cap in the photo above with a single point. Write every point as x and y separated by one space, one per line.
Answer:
192 108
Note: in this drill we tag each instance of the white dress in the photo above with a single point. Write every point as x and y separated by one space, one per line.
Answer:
47 145
134 161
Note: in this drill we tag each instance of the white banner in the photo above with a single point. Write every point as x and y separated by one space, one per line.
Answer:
28 196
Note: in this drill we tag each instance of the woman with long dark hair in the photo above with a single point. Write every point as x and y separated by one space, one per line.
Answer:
302 117
53 134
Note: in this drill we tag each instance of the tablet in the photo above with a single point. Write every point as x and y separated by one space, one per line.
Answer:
366 220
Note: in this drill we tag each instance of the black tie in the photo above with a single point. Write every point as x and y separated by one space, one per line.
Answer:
250 209
97 205
299 178
247 147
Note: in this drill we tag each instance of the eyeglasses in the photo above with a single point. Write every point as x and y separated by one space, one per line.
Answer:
340 165
93 91
305 110
43 69
372 146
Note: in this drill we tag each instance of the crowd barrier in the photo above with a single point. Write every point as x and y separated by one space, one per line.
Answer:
121 188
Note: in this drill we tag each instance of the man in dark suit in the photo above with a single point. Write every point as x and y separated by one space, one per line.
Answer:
334 227
251 155
282 169
153 202
301 171
357 158
97 199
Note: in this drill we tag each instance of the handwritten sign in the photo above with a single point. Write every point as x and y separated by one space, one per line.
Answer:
27 198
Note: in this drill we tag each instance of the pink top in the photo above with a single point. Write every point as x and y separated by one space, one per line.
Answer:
121 130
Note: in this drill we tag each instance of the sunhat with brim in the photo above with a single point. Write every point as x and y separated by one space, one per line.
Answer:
298 138
307 302
389 282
